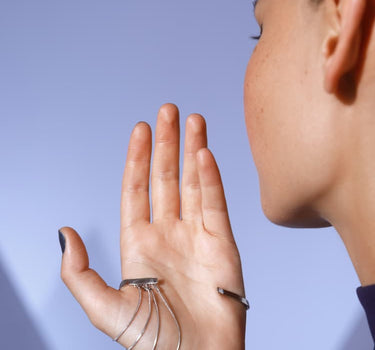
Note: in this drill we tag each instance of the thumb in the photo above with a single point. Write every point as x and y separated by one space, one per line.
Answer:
88 288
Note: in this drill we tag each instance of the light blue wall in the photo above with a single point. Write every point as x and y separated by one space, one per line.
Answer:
75 76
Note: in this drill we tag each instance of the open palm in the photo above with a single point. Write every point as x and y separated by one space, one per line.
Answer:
188 245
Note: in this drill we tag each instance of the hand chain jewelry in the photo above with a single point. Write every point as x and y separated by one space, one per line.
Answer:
150 285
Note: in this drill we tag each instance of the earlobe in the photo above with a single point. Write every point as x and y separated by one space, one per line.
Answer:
341 47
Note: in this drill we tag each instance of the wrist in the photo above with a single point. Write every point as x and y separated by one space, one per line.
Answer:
228 332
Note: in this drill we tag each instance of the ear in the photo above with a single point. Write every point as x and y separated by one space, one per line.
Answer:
342 45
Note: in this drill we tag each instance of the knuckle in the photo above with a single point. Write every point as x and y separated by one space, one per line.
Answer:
194 186
166 140
137 188
95 320
167 175
214 210
136 157
64 274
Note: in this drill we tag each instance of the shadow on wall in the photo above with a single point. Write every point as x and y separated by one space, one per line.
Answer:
17 330
360 337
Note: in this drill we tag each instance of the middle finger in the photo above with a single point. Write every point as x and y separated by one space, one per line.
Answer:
165 167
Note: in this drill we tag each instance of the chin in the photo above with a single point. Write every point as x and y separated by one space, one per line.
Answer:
284 213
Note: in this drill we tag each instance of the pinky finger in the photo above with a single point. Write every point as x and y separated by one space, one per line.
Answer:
214 207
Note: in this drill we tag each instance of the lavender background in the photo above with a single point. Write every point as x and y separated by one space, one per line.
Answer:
75 76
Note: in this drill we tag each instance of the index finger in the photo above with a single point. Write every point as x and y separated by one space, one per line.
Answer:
135 203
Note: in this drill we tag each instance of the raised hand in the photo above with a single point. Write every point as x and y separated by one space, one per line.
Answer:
188 245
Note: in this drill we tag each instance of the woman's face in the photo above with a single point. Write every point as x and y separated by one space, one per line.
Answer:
290 129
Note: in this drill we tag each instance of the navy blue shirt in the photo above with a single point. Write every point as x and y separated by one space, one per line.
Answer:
366 296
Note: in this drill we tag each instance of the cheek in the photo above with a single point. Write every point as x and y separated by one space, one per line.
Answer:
286 133
255 102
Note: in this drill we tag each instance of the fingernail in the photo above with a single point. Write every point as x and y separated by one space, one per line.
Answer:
62 241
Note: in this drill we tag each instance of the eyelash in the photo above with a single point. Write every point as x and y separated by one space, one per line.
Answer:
257 37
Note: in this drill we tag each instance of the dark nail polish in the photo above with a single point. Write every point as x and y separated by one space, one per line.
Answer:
62 241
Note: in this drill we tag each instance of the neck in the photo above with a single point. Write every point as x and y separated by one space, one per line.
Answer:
355 224
350 207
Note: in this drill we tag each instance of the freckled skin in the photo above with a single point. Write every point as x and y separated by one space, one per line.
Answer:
309 101
287 129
